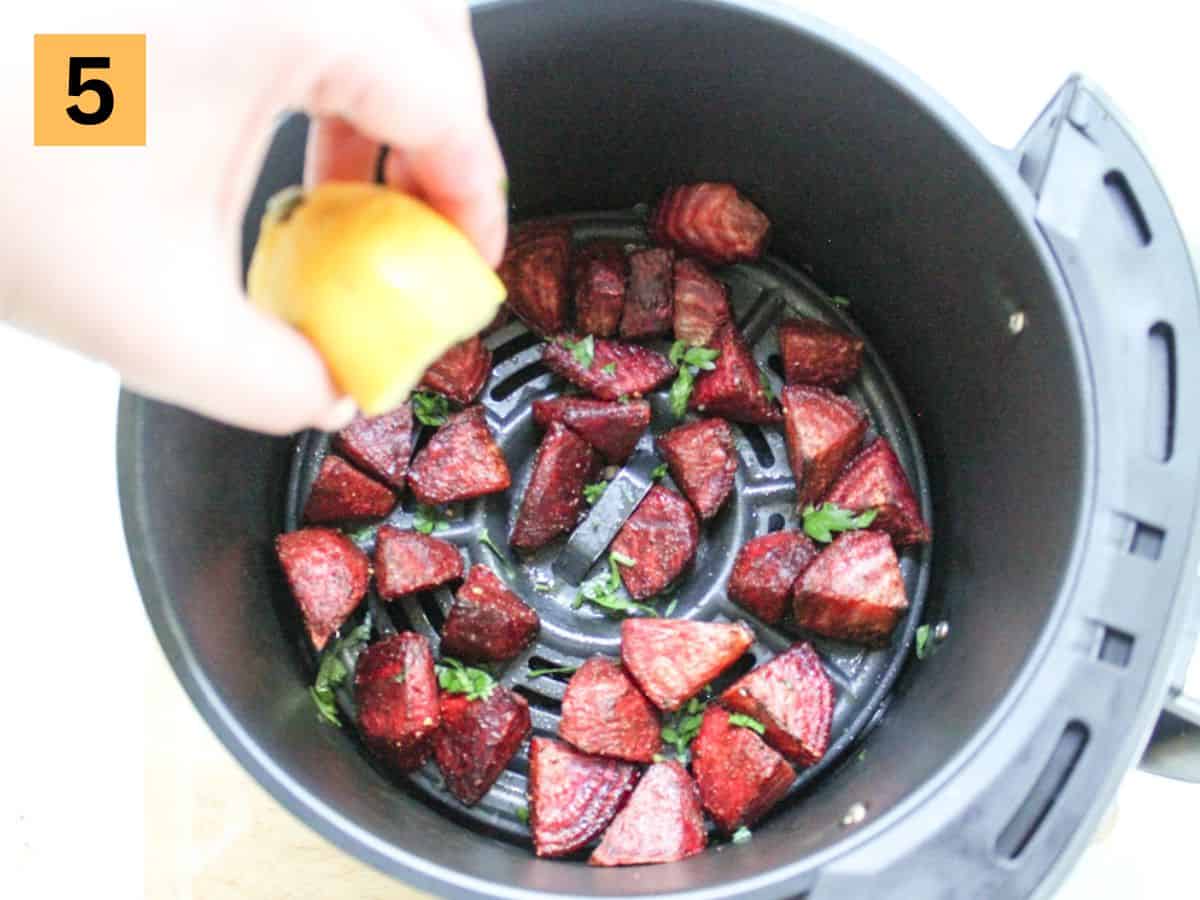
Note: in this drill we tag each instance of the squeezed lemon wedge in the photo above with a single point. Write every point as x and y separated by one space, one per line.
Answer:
378 281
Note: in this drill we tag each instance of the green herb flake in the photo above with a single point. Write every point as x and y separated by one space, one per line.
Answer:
584 350
821 522
839 301
681 391
768 391
605 591
924 644
743 721
554 670
427 520
523 814
430 408
676 354
680 728
456 678
592 492
701 358
670 608
332 672
621 559
690 361
742 835
659 472
610 369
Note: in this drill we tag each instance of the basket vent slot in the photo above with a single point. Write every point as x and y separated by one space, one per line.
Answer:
1032 812
758 442
518 380
1147 541
1122 196
1160 393
1116 647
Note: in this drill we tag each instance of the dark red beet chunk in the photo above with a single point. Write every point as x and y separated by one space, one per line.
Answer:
701 305
734 388
477 738
793 698
461 372
488 622
603 712
460 462
634 370
660 537
710 220
661 823
672 659
853 590
572 796
341 493
612 428
765 570
876 480
553 501
703 462
739 776
381 445
823 432
396 693
648 300
814 353
599 276
327 575
407 562
534 270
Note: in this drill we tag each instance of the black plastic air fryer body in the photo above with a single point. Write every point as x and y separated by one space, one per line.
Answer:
1037 312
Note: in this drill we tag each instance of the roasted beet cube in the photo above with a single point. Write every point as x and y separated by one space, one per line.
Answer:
599 274
823 431
617 370
396 693
603 712
461 371
341 493
853 590
701 305
534 270
710 220
672 659
572 795
327 575
460 462
765 570
793 698
734 388
553 501
380 445
648 299
662 822
488 622
876 480
703 462
739 776
477 738
660 537
407 562
612 428
814 353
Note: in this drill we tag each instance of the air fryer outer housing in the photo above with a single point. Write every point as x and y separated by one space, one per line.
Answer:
1039 312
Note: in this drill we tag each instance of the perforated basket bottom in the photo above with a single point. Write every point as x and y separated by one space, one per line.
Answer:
763 500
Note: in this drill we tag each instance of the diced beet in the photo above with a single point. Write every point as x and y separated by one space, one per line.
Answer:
793 698
765 570
599 274
703 462
603 712
534 270
461 372
488 622
648 299
381 445
876 480
823 432
853 590
701 305
553 501
710 220
477 738
672 659
572 795
341 493
662 822
327 575
617 370
660 537
739 776
396 693
460 462
734 388
612 428
407 562
817 354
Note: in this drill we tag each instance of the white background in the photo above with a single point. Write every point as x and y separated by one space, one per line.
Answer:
71 795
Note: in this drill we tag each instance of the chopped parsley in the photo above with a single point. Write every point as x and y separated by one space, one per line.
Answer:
605 590
766 386
584 350
554 670
743 721
332 672
426 520
839 301
683 726
820 522
742 835
610 369
523 814
456 678
690 360
658 472
592 492
430 408
924 645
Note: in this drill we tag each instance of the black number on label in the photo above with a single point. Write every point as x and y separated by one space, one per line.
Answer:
77 88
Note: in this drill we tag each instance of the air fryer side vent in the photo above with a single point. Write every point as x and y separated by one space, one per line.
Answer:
1160 393
1046 790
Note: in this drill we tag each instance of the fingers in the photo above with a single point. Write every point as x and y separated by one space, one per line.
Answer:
337 151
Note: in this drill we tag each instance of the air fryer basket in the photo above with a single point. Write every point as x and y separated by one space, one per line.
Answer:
1037 312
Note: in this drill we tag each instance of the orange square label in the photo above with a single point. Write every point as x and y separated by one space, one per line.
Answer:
89 90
